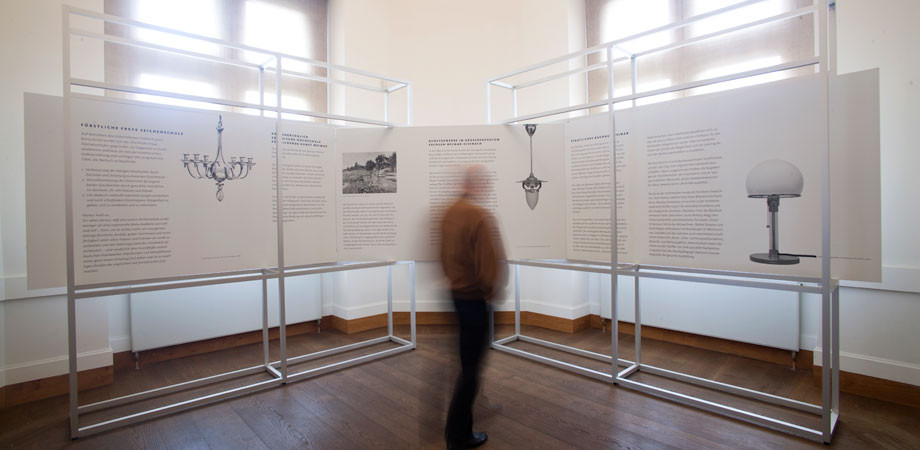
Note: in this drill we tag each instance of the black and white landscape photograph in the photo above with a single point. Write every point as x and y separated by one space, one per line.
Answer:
368 173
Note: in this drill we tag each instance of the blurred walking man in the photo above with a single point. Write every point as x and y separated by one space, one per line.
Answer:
473 260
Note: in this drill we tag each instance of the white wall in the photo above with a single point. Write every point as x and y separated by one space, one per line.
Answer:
879 331
33 328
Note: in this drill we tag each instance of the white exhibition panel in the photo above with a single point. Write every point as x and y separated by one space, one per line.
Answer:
137 211
402 220
682 184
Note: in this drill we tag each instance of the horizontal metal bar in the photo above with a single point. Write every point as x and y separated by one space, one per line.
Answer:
217 101
164 287
667 90
694 40
561 75
338 268
273 372
175 407
555 363
307 76
567 349
178 387
348 363
720 79
560 266
776 286
725 410
732 389
303 112
194 98
311 266
396 88
400 340
506 340
628 371
333 351
163 48
167 279
549 62
599 263
130 22
557 111
732 273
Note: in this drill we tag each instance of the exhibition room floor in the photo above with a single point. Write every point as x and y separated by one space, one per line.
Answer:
400 402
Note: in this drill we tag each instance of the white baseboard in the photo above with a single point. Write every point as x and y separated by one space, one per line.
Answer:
120 343
49 367
888 369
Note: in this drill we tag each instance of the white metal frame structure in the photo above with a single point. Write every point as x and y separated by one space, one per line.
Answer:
823 13
278 372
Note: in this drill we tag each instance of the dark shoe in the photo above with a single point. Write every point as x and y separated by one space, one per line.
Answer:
477 439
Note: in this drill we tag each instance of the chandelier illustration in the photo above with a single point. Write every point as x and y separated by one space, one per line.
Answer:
531 184
218 169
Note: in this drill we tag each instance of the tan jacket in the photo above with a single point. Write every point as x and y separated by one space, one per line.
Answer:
472 254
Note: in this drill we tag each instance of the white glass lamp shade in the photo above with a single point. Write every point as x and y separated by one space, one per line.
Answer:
775 177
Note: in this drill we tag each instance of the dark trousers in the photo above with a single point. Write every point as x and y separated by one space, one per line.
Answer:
473 316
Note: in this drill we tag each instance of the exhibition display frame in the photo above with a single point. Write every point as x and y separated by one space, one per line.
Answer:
278 372
823 13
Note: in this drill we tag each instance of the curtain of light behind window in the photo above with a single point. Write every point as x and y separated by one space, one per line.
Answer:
256 23
765 45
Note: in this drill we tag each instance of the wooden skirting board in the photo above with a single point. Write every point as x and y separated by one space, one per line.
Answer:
866 386
30 391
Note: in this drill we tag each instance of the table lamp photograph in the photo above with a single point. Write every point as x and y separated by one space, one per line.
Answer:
775 179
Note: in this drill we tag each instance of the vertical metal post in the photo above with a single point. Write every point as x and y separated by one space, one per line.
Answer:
826 345
262 91
73 385
412 301
634 66
514 102
638 322
517 300
390 301
282 319
488 102
265 319
386 106
835 345
614 316
409 104
835 306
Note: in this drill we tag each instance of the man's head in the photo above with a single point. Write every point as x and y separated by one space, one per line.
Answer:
476 182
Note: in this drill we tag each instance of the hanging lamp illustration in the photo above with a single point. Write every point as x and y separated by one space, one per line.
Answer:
531 184
218 169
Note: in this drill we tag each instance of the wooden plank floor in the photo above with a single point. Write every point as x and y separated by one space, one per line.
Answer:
401 402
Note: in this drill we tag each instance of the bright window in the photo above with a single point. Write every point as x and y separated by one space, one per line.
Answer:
731 18
623 18
276 28
191 16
